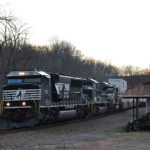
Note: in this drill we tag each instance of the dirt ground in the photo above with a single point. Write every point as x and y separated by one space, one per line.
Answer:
105 133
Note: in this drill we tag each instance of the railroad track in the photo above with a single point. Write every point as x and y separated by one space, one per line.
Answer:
54 124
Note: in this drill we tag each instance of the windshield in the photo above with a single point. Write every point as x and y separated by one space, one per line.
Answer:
24 80
110 90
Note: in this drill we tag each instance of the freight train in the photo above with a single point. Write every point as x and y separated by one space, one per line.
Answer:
37 97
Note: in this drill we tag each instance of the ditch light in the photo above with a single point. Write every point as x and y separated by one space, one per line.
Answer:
8 104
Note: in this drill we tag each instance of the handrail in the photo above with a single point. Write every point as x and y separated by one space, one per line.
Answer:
1 106
90 104
37 108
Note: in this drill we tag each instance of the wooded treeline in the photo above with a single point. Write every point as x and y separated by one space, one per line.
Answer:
60 57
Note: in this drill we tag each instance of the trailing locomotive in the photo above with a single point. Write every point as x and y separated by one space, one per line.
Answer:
34 97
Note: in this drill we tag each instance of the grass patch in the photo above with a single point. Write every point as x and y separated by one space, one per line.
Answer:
119 130
146 137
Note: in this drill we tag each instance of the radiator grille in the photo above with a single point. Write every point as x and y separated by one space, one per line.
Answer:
17 95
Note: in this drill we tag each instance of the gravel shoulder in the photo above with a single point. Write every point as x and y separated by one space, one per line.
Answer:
105 133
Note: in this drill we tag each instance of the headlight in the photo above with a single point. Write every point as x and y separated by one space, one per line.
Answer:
21 73
7 104
24 103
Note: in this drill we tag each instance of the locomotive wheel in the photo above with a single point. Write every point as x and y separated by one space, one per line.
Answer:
97 110
81 113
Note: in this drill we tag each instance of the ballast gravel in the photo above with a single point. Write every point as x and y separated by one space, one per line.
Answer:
106 133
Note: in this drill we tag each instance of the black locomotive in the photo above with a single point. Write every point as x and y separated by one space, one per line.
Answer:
34 97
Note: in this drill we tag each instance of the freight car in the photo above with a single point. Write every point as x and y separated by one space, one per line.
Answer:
36 97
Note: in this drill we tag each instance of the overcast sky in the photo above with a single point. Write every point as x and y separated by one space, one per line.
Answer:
116 31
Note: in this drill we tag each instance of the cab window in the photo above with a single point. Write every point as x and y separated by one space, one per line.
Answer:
24 80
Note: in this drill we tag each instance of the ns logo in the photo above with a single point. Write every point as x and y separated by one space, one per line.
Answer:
19 95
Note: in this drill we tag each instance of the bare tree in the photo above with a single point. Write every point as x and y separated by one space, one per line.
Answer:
13 36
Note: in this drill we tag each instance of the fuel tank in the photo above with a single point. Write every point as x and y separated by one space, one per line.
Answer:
66 114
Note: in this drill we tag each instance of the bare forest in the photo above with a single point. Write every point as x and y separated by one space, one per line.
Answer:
16 53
